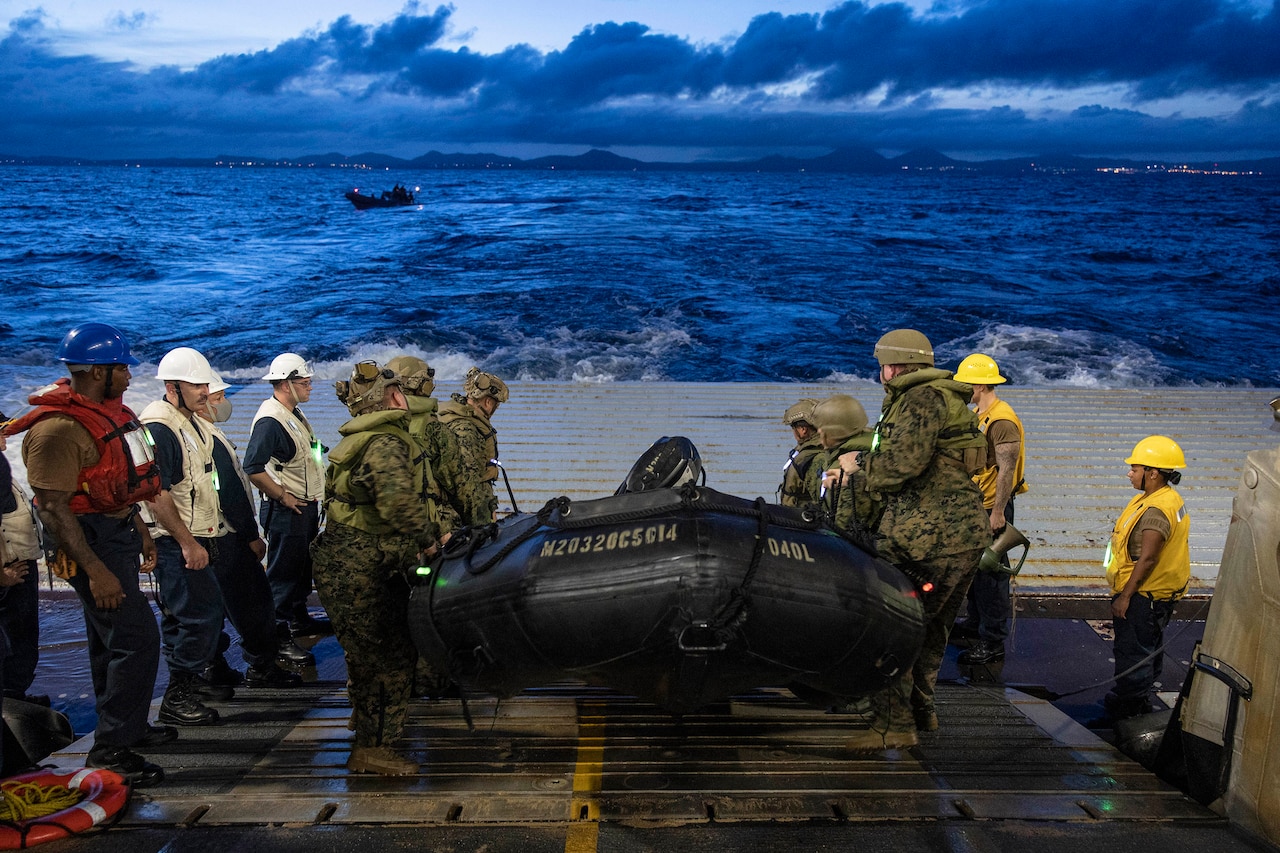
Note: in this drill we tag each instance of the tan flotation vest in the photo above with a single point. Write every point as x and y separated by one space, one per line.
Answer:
196 496
302 474
19 535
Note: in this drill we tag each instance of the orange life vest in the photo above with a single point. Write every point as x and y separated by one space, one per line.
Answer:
126 471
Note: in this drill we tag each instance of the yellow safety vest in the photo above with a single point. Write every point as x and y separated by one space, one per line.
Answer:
1172 571
986 478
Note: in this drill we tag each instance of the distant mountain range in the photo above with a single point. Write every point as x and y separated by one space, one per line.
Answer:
842 160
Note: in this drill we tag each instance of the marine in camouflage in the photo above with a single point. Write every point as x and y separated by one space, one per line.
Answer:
364 589
910 697
361 578
931 506
792 492
933 526
477 446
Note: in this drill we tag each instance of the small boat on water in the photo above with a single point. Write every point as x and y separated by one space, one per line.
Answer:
680 595
397 197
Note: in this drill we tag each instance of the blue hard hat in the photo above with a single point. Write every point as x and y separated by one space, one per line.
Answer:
95 343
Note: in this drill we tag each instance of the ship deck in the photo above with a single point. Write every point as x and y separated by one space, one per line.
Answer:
573 768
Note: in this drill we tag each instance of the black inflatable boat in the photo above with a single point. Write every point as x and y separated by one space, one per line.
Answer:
681 596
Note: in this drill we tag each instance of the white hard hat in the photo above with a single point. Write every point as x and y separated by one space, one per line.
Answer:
186 365
288 365
217 384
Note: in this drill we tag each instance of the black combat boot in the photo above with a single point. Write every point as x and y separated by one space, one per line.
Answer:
220 673
271 675
982 653
181 706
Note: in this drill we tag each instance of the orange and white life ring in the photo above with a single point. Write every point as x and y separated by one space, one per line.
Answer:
105 794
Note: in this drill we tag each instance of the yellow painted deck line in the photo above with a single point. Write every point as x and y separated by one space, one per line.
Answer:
584 816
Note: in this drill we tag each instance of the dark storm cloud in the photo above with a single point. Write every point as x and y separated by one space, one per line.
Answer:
787 80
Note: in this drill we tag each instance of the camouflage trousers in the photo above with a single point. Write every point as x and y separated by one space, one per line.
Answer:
897 706
363 589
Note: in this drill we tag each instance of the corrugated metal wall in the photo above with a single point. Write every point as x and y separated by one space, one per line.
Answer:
579 440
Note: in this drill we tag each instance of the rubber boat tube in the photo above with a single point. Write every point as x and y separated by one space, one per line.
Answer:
682 597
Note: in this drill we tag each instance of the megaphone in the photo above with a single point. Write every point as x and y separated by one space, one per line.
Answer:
1008 539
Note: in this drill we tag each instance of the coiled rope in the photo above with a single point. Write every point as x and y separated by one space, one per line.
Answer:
27 800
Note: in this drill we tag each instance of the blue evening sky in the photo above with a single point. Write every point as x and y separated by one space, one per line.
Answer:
655 79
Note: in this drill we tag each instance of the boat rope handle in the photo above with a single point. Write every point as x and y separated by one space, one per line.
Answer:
734 612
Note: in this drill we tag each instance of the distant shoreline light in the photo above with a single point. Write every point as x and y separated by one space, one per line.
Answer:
848 161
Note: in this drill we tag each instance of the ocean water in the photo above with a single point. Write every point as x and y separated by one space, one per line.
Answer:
1080 279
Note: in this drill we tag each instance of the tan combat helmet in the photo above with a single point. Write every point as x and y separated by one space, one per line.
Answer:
801 411
367 389
416 376
839 416
904 346
479 384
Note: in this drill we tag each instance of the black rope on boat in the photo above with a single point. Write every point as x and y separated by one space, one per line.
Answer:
734 612
544 518
758 509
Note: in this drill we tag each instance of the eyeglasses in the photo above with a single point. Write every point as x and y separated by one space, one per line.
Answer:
305 383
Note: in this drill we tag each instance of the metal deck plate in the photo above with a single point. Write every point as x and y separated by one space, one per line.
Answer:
572 754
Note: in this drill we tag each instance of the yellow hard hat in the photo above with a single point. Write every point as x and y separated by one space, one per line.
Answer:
1157 451
979 369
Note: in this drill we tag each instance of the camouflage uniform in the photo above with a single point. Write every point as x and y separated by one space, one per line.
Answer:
848 504
477 445
460 500
378 524
933 525
792 492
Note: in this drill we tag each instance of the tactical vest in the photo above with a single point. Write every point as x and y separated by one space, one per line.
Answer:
422 413
350 503
960 442
842 503
196 496
301 474
1172 571
986 478
458 413
125 472
799 461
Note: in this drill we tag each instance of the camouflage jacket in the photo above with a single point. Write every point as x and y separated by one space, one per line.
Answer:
931 506
477 445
